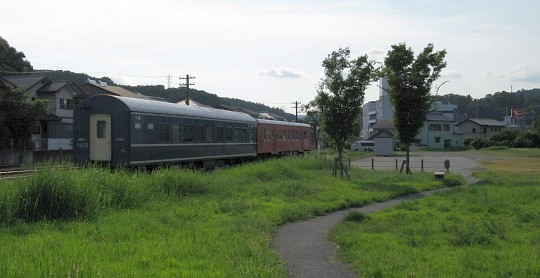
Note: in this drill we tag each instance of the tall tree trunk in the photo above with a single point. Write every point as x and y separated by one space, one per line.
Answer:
408 168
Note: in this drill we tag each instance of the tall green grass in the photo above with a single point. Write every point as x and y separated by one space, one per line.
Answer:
491 229
174 222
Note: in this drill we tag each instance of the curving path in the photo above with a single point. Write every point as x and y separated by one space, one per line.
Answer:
304 248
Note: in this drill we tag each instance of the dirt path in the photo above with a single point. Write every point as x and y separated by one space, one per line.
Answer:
304 247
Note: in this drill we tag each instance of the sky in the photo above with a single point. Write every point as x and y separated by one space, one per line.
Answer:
271 51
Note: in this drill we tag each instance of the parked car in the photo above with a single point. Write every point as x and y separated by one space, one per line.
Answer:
363 146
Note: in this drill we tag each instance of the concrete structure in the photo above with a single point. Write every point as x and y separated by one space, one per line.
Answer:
369 118
480 128
439 132
384 143
378 110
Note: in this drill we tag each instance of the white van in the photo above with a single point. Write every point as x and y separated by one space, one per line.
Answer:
363 146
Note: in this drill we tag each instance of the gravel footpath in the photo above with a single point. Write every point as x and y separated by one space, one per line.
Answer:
305 249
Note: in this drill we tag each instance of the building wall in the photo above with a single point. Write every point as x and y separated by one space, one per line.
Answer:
436 138
369 118
474 130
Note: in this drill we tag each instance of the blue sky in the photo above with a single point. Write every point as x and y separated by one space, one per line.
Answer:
271 52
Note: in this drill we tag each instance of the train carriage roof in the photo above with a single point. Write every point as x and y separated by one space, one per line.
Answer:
173 109
271 122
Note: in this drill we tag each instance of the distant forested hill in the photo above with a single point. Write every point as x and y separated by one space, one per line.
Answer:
171 94
497 105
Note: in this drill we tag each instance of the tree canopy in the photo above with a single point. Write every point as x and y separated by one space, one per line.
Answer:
341 94
410 80
22 112
12 60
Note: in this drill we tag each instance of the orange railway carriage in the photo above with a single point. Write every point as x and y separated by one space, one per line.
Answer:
282 138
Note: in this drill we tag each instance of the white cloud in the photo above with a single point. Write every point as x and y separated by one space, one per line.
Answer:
451 74
527 73
280 73
375 52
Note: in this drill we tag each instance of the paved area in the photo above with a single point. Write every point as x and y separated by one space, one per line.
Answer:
303 246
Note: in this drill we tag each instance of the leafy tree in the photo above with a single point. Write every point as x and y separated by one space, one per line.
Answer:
410 80
340 97
313 118
12 60
22 113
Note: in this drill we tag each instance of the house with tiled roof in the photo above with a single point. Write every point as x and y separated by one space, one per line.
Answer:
480 128
54 130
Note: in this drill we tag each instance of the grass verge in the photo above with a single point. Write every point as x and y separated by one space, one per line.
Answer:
174 222
487 230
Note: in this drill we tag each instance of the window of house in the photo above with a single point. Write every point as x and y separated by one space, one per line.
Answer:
435 127
474 130
437 139
446 127
66 104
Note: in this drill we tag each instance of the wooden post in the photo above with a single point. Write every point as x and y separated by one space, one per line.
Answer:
372 163
422 164
396 165
402 165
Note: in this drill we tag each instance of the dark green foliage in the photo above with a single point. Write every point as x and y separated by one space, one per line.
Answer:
12 60
22 112
507 139
340 98
467 141
410 80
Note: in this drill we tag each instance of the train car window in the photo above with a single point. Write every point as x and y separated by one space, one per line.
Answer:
236 135
150 126
243 135
209 136
101 129
176 135
188 133
137 125
163 131
198 133
220 135
228 134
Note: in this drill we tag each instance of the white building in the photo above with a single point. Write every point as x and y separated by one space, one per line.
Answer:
378 110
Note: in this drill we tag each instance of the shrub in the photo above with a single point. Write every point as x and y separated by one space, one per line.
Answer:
479 143
467 141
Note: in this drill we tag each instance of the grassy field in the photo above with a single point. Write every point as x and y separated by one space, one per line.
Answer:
174 222
491 229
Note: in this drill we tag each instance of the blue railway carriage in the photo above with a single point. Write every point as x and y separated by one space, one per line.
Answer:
130 132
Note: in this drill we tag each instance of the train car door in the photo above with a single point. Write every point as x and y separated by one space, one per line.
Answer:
100 137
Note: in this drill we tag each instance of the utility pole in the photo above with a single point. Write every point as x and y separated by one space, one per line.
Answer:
296 103
187 86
